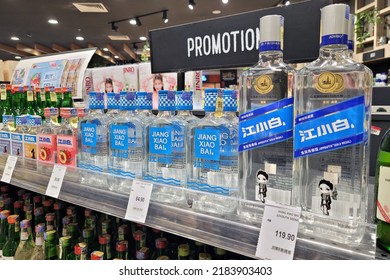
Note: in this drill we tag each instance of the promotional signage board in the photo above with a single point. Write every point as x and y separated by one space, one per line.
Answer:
232 41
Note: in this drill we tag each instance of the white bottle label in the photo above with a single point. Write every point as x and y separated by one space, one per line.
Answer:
39 241
23 236
383 202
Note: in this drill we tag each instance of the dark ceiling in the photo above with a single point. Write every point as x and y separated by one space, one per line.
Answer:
28 20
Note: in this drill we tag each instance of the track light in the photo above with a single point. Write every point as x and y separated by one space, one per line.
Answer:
138 21
133 21
191 4
114 27
283 3
165 16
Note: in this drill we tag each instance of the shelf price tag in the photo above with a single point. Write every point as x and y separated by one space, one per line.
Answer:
278 233
138 205
55 183
9 169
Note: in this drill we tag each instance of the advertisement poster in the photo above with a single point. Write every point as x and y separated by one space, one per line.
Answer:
115 78
46 74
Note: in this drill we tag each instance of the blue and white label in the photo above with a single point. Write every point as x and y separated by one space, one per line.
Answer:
119 137
270 46
160 139
266 125
17 137
178 138
207 144
5 143
17 144
334 127
30 138
334 39
88 136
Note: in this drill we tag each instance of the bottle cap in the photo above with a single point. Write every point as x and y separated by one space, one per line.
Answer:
87 232
66 220
47 202
58 205
21 120
37 89
9 87
96 100
166 100
71 210
65 241
66 89
334 24
351 31
113 100
142 253
38 211
82 112
97 255
128 100
123 229
26 196
72 227
27 207
49 217
87 212
219 251
12 219
40 228
47 88
18 204
102 240
121 246
68 112
4 189
4 214
21 192
229 100
37 199
77 249
164 258
50 112
271 33
144 100
80 248
184 250
34 121
139 235
161 243
25 223
210 99
58 90
7 119
204 256
184 100
7 200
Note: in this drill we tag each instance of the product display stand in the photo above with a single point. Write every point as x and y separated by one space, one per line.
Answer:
229 233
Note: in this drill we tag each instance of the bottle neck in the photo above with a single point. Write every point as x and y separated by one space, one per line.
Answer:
145 112
11 231
229 114
270 57
39 239
164 114
130 113
184 113
333 52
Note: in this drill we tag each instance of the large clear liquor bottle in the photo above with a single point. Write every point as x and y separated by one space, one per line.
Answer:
144 106
166 158
93 147
126 144
112 104
266 123
351 35
184 106
212 168
331 135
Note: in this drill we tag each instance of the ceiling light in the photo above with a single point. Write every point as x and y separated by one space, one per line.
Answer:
105 49
216 12
116 56
287 3
80 38
225 1
14 38
191 4
133 21
52 21
143 38
165 16
18 57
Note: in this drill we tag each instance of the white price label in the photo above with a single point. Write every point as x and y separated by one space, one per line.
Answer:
9 169
138 205
55 183
278 233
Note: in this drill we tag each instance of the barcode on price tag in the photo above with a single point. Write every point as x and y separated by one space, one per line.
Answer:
9 169
139 199
278 233
56 179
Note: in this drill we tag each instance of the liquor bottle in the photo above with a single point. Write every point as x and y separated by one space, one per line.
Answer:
8 203
166 157
48 206
24 100
93 147
58 207
382 196
3 98
6 100
143 254
18 209
17 136
183 252
47 136
104 246
332 123
144 106
49 218
40 102
39 251
73 232
5 135
50 245
204 256
3 229
72 212
140 241
30 137
161 247
67 139
88 238
20 194
11 244
212 169
26 244
351 36
126 144
49 95
67 101
112 104
28 211
97 256
38 216
59 98
184 106
266 123
66 220
37 202
64 248
80 252
30 105
220 254
17 101
121 250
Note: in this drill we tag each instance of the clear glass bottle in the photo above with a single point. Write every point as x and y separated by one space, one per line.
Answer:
126 144
67 139
351 36
93 147
166 157
212 169
17 136
30 137
144 106
11 244
47 136
332 106
184 106
266 125
39 251
26 244
112 104
5 135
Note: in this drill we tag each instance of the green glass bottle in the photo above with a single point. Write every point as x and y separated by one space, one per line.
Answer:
58 92
64 248
26 244
50 245
105 246
24 100
3 98
89 240
18 209
28 213
97 256
8 204
59 213
48 206
37 202
52 98
204 256
382 193
38 216
66 220
29 107
39 250
220 254
12 242
8 102
73 232
161 244
183 252
3 229
40 102
67 101
17 101
140 240
20 194
121 251
79 253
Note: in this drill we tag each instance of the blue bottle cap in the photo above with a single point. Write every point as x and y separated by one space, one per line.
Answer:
210 99
166 100
113 100
21 120
96 100
7 119
229 100
34 121
144 100
128 100
184 100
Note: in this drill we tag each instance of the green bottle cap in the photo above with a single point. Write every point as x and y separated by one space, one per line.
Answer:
184 250
65 241
87 233
50 235
204 256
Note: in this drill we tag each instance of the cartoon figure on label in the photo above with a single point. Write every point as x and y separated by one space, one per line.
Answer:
262 180
5 151
328 192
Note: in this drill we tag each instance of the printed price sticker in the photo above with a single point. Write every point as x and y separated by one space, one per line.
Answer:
375 130
278 233
9 169
55 183
138 205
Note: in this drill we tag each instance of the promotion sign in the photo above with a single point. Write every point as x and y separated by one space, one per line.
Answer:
232 41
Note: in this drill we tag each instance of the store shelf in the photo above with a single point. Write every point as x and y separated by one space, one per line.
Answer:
229 233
